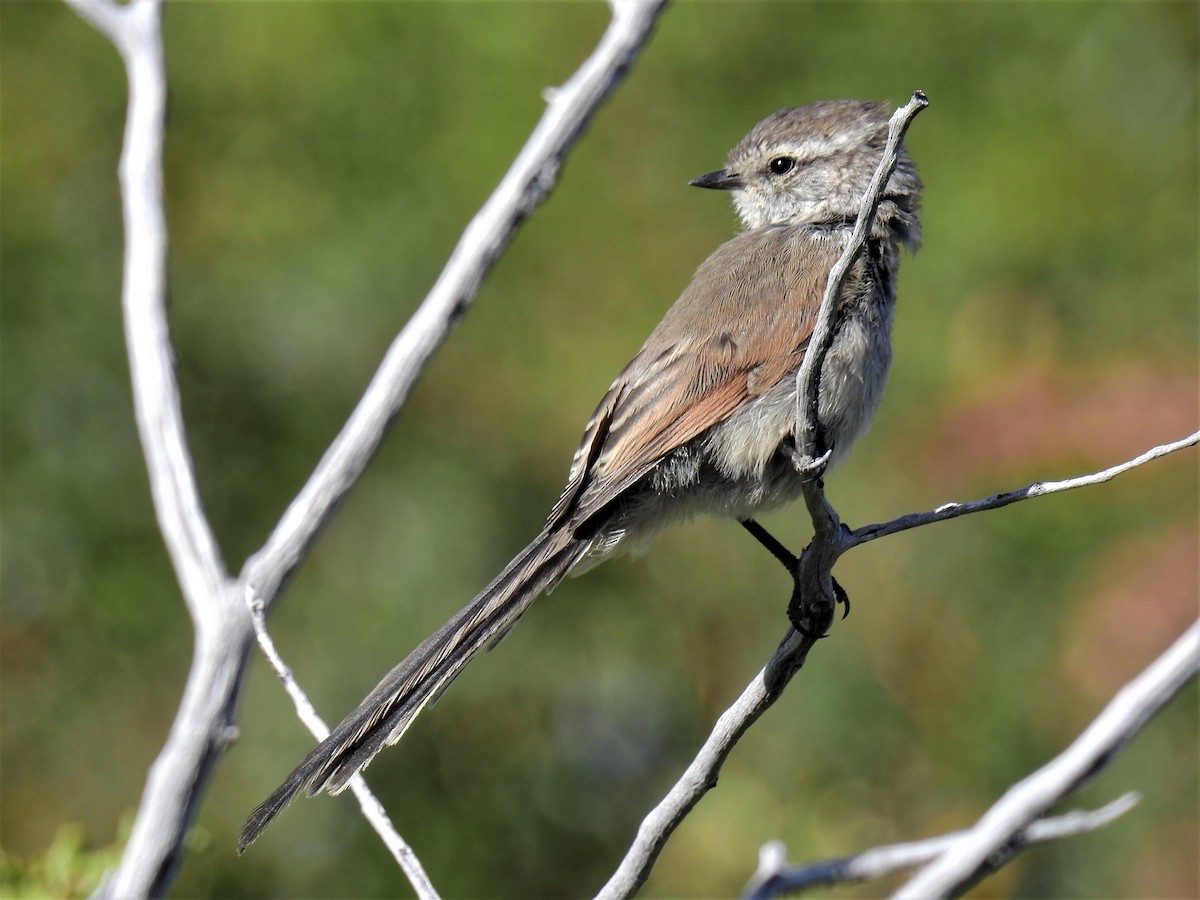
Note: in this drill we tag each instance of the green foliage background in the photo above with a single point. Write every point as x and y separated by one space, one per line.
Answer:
322 160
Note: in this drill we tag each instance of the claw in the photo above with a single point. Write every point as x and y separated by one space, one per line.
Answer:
842 597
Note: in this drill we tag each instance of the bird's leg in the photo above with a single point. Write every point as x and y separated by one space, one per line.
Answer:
773 545
791 562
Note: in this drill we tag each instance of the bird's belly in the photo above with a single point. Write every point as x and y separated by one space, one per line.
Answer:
852 381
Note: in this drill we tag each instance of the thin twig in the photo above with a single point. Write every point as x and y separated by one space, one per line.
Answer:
1037 489
372 809
809 377
701 774
814 596
775 876
958 867
528 182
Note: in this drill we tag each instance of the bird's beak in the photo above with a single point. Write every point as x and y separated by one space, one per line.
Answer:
720 180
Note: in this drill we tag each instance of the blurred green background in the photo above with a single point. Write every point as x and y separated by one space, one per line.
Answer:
322 159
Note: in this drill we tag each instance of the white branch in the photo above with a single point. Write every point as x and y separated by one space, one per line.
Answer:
532 175
775 877
1037 489
204 722
372 809
701 774
135 30
814 598
808 378
106 17
528 182
1029 799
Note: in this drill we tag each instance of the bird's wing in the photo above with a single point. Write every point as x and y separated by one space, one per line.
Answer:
741 326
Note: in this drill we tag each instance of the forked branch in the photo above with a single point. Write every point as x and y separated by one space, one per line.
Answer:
967 859
205 722
775 877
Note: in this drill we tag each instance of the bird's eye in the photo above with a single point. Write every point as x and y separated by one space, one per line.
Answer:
781 165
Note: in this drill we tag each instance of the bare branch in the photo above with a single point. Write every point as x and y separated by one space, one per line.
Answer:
814 599
106 17
203 725
1037 489
959 866
526 185
809 376
372 809
775 877
532 175
701 774
136 32
204 722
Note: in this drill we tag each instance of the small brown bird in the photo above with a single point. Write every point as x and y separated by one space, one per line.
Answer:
703 418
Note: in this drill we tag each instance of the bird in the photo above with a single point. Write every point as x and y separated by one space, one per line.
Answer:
703 419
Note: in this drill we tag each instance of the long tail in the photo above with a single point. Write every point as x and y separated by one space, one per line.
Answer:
387 712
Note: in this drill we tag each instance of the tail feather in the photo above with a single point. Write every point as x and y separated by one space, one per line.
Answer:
388 711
